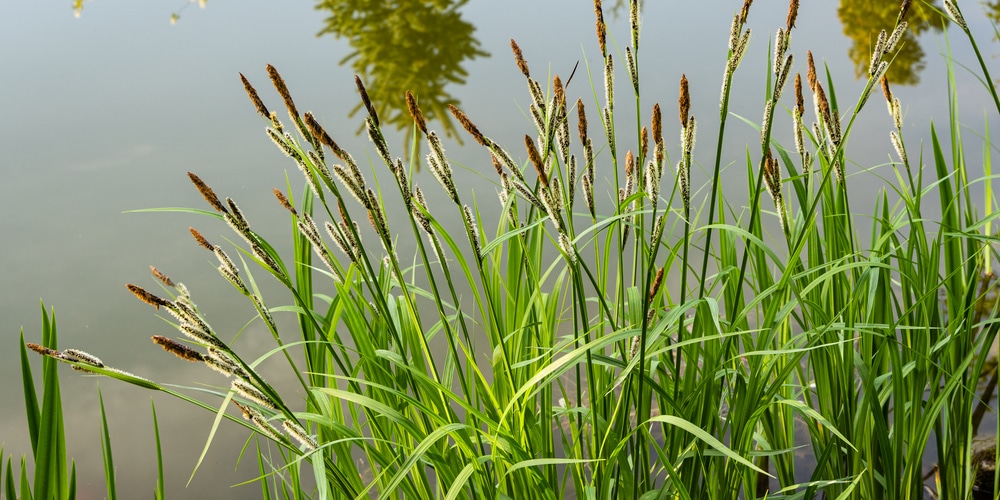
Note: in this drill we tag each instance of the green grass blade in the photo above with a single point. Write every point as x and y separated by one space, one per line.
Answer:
10 488
707 438
211 434
31 409
109 462
51 477
160 492
25 482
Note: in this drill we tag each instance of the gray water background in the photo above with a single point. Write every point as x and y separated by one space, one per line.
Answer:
106 113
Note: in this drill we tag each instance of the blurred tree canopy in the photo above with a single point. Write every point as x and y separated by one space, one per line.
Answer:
992 10
863 19
400 45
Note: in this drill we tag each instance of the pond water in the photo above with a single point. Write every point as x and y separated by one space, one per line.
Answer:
107 111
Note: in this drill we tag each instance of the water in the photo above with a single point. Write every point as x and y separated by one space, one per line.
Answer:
107 112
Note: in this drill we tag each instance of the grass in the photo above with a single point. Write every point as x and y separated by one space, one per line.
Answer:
654 343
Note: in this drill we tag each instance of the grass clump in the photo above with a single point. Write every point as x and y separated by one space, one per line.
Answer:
657 345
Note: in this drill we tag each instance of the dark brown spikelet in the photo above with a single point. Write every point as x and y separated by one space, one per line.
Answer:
207 193
365 99
201 239
684 101
418 116
496 164
903 9
799 103
559 92
581 119
40 349
657 282
772 177
745 11
177 349
644 143
793 12
519 59
343 214
254 98
145 296
811 74
657 124
279 85
824 106
160 276
468 125
885 89
284 201
602 29
318 131
536 160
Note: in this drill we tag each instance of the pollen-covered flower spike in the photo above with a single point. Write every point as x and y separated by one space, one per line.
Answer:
146 297
177 349
207 193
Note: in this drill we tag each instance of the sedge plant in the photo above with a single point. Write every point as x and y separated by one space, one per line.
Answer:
656 342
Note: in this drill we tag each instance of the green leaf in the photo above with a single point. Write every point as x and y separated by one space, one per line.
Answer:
707 438
109 462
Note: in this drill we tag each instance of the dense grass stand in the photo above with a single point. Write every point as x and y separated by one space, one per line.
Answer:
659 342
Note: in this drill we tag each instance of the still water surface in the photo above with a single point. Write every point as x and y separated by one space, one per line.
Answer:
106 112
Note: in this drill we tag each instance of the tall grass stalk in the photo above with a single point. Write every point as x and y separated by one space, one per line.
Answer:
631 349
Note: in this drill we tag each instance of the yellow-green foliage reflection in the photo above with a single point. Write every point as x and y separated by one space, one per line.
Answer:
992 10
862 21
399 45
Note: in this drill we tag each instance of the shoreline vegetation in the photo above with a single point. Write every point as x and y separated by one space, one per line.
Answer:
655 343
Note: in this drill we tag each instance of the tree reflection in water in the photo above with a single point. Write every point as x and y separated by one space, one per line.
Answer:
400 45
992 10
863 19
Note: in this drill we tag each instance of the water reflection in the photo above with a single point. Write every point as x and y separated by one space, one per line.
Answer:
992 10
400 45
863 19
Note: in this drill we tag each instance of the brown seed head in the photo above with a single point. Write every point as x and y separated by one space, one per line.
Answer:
365 99
319 132
824 106
536 160
284 201
254 98
793 12
468 125
160 276
559 92
40 349
145 296
201 239
279 85
811 74
799 103
657 282
644 143
602 29
418 117
772 176
207 193
684 102
519 59
581 119
657 124
885 89
178 349
496 164
745 11
903 9
629 164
